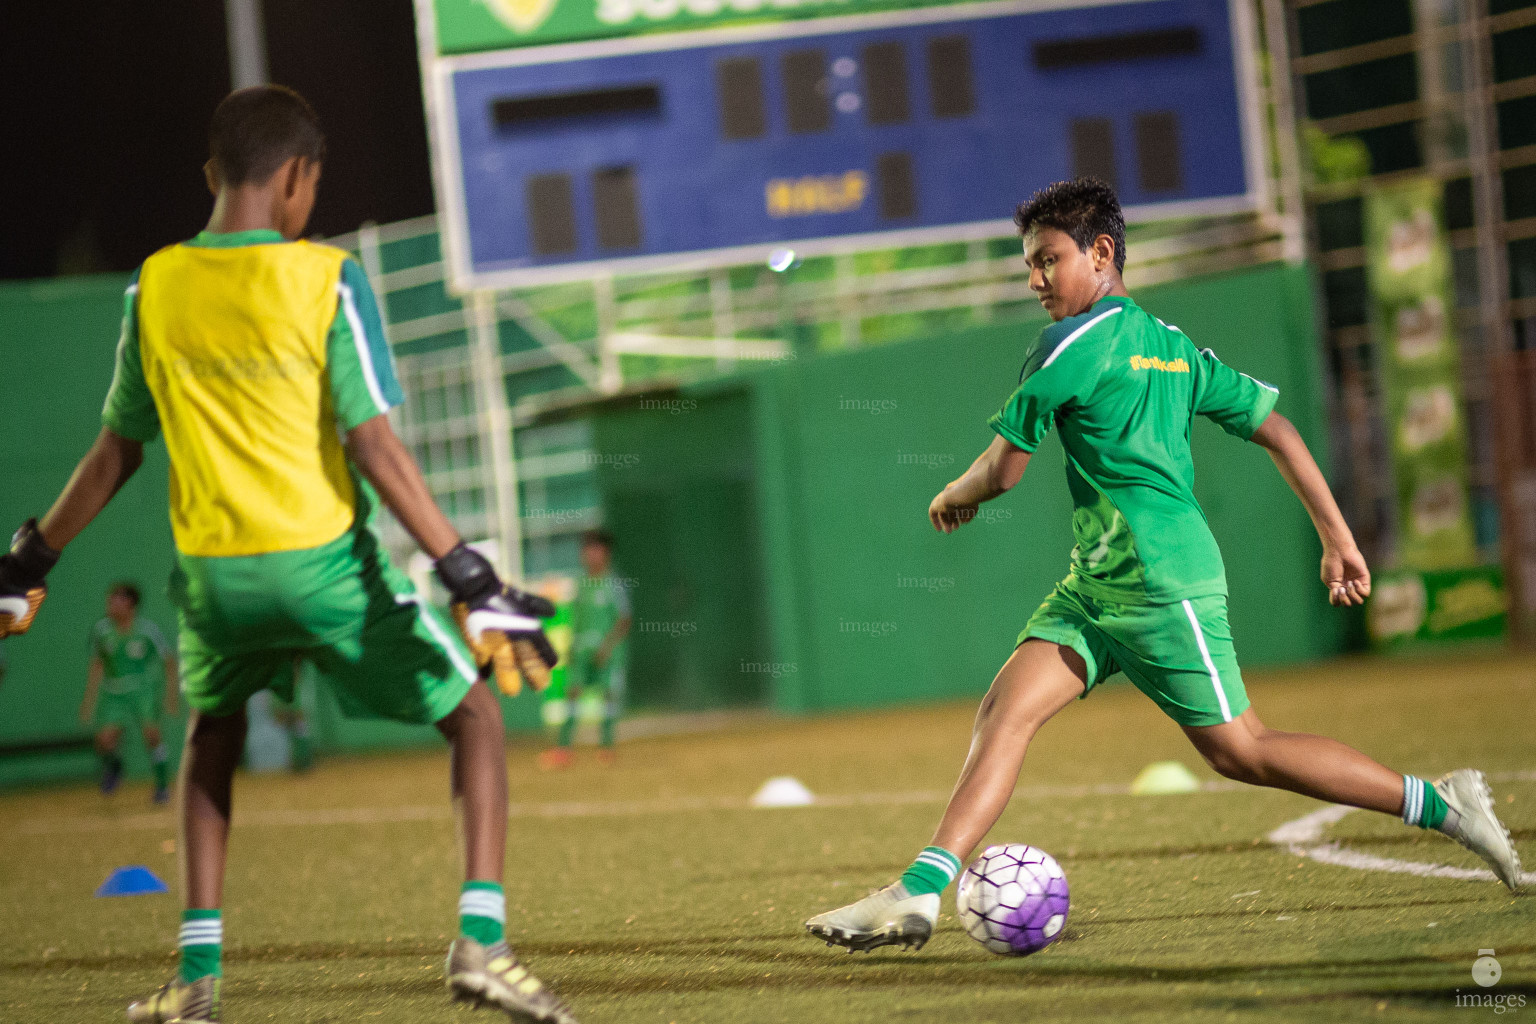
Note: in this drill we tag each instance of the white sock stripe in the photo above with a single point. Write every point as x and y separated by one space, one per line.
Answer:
201 939
484 903
208 935
201 933
1210 666
202 926
481 895
1413 799
933 860
940 858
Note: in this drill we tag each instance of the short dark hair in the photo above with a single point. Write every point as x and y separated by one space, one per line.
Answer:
1084 208
597 536
126 589
254 131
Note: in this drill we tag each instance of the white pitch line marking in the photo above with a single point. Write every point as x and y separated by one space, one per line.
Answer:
386 815
1304 838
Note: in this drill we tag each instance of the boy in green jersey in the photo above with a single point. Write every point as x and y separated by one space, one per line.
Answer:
261 360
1146 592
129 656
600 621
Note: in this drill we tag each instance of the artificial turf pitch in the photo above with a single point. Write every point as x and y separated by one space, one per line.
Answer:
651 892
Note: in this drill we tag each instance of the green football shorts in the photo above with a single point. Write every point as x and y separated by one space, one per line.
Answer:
1178 654
127 711
341 605
610 680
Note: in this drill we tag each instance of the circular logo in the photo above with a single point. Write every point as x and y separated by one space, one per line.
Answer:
1485 969
135 649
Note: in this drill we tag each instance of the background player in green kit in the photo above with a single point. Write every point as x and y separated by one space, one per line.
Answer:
600 621
262 362
130 685
1146 593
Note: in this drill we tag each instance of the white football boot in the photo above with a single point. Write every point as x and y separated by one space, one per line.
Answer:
1478 828
888 917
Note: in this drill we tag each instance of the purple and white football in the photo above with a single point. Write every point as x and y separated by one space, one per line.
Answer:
1013 899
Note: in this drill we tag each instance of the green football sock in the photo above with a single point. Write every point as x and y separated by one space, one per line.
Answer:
609 721
568 727
1422 804
202 943
482 912
161 765
302 752
933 870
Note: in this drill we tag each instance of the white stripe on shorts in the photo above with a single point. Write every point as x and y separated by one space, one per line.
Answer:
1210 666
430 621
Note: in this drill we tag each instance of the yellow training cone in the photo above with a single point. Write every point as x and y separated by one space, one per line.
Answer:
1164 777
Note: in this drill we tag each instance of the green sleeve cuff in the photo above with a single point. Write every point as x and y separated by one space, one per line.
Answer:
1002 428
1261 411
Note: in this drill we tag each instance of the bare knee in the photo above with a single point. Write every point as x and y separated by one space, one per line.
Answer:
999 713
478 713
1238 763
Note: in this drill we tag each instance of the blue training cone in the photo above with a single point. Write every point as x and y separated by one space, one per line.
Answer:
136 880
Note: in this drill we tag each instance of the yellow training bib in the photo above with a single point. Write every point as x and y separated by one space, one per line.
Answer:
233 344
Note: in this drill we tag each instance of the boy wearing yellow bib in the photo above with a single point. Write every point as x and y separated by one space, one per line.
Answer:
262 361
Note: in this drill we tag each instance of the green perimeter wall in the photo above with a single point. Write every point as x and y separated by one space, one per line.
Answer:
862 602
57 342
778 543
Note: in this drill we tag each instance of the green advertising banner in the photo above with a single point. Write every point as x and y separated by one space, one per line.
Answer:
1409 265
1457 604
470 26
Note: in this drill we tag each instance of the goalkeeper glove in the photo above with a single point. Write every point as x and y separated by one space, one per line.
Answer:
500 623
22 571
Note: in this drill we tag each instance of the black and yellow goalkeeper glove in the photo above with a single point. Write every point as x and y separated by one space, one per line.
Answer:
500 623
22 572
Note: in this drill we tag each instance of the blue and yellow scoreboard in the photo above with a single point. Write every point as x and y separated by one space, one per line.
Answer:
893 127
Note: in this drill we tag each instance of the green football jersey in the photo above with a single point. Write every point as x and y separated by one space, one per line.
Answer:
133 660
600 602
1122 387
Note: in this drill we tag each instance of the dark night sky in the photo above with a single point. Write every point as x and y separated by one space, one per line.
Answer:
105 111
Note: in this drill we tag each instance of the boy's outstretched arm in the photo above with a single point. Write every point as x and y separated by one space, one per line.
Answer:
36 546
1344 571
103 471
500 623
994 472
383 459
